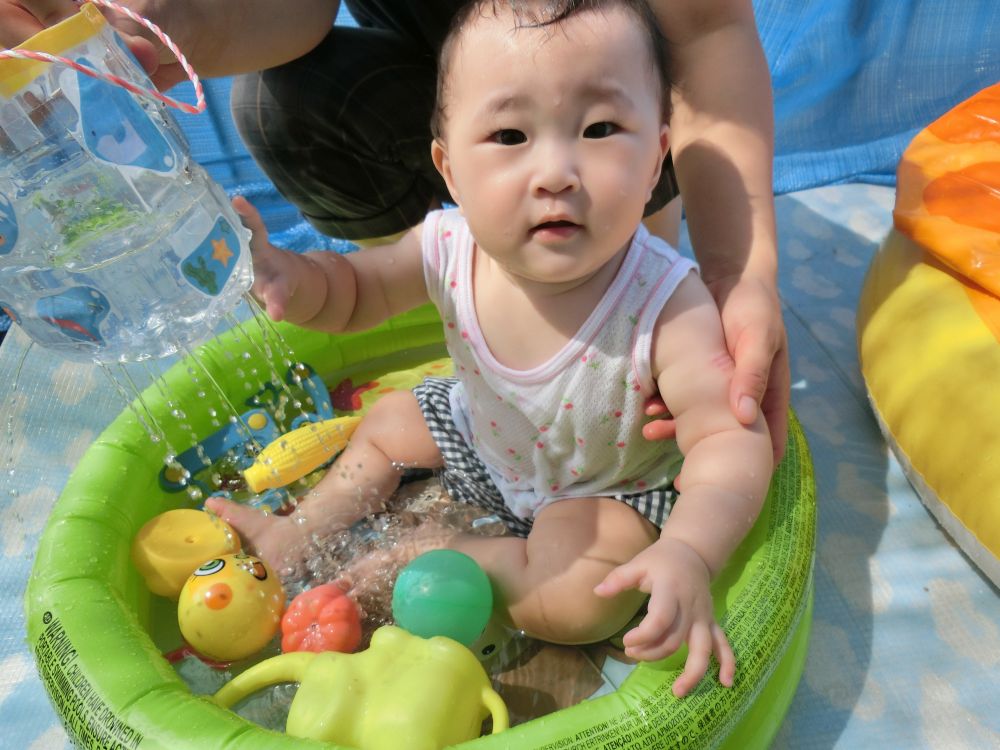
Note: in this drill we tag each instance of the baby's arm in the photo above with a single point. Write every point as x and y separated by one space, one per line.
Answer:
725 476
332 292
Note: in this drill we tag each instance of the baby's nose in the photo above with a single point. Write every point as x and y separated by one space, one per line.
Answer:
557 170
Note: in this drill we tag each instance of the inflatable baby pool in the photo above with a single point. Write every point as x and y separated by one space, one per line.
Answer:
929 325
97 633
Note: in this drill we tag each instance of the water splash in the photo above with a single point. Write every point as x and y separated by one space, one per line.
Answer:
12 400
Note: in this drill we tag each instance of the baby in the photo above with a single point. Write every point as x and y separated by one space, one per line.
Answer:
562 315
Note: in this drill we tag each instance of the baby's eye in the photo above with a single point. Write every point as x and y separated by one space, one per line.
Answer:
600 130
508 137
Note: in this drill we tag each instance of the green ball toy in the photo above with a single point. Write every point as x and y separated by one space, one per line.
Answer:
443 592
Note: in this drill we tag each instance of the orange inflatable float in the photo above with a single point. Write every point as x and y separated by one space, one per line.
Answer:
929 324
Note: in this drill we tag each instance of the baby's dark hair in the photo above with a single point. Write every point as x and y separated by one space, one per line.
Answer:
542 13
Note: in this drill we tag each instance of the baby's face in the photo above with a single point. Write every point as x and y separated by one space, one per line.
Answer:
553 139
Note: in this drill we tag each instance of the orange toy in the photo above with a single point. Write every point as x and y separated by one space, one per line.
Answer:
323 618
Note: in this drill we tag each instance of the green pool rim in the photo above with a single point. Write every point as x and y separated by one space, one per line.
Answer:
87 608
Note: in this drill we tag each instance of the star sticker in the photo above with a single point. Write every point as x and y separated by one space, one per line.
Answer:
221 251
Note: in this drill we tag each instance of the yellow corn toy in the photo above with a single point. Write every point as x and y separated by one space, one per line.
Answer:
294 455
402 692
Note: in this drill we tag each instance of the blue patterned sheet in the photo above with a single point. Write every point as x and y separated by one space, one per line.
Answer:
905 649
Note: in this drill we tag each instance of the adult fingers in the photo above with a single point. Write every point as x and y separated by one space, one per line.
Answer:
20 20
16 25
775 403
754 352
48 12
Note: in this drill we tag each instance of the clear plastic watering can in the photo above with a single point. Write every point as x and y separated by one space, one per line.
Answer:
114 245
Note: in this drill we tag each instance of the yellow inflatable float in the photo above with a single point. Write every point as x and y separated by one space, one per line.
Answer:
929 324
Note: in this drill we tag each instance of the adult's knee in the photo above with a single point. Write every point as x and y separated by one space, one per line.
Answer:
343 133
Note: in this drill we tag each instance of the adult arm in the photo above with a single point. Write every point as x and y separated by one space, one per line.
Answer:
722 132
218 37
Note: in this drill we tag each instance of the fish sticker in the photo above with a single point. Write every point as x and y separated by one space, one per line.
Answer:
117 129
76 313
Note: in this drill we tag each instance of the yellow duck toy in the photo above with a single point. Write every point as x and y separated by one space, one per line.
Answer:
231 607
402 692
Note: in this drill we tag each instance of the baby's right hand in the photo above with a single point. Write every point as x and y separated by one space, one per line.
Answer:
274 280
278 540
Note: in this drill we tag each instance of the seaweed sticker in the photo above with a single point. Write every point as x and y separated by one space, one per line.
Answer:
211 263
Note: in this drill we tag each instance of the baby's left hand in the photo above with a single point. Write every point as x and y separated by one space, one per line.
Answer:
679 610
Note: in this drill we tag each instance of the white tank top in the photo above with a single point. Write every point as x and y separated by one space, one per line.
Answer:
570 427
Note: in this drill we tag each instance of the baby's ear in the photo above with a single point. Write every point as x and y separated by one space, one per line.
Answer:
664 139
664 148
439 155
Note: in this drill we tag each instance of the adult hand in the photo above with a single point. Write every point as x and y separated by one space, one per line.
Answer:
755 336
159 62
21 19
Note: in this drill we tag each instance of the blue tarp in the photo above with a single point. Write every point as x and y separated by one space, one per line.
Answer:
854 80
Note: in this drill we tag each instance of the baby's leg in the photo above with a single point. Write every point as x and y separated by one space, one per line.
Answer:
546 582
393 436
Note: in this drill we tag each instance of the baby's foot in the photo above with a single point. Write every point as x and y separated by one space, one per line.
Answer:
371 577
278 540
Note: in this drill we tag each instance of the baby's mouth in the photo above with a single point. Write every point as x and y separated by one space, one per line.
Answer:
554 229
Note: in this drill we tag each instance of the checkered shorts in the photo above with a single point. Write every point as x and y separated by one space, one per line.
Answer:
466 478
